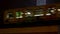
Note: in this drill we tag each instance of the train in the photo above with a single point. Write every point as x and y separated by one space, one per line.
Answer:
32 14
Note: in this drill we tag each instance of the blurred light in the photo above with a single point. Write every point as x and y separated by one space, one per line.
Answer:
20 17
53 8
39 15
17 17
19 14
58 9
48 14
7 16
28 13
52 11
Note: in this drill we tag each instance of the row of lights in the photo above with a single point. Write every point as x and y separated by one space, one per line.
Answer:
29 13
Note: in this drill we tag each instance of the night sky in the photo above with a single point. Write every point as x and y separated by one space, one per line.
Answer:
16 3
21 3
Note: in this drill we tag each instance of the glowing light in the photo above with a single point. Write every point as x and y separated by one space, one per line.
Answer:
20 17
28 13
58 9
48 14
7 16
19 14
52 11
39 15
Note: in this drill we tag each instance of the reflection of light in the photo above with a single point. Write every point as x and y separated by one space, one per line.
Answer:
48 14
39 15
58 9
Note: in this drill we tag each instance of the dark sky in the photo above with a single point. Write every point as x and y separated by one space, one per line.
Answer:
52 1
16 3
21 3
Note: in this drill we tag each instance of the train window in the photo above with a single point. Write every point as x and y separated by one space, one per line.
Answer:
28 13
52 11
39 15
58 9
19 14
10 15
7 15
48 14
39 12
28 16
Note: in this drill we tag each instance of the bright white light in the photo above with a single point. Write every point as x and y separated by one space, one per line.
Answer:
48 14
39 15
58 9
21 17
28 13
52 11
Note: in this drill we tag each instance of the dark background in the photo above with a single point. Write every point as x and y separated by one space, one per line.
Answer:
21 3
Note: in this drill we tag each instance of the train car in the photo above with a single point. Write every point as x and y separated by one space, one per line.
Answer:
32 14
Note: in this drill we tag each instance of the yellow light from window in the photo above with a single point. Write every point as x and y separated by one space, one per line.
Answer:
58 9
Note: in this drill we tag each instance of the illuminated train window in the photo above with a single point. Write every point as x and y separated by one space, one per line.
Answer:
48 14
39 12
58 9
51 11
10 15
19 14
39 15
28 13
28 16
